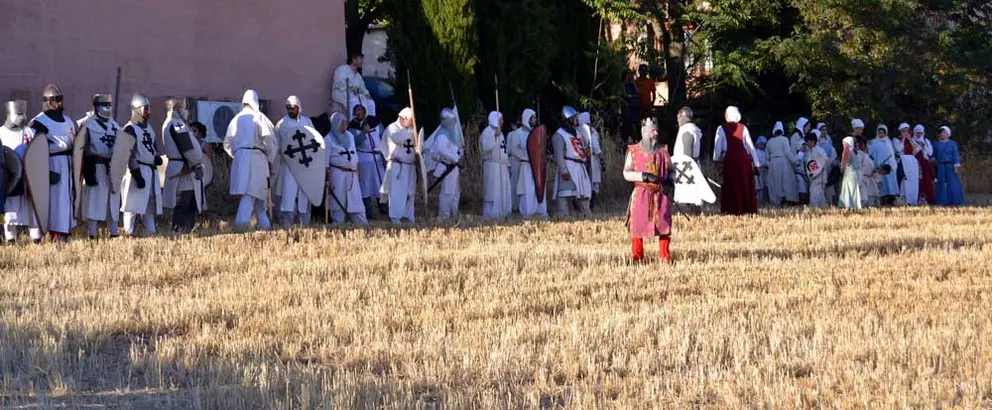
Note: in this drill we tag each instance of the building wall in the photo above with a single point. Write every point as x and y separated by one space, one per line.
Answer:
189 48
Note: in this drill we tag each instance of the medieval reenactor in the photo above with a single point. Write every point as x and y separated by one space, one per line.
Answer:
400 184
649 214
59 129
495 170
18 213
293 201
528 183
97 134
344 188
595 158
184 173
250 141
735 149
367 130
141 189
572 185
444 148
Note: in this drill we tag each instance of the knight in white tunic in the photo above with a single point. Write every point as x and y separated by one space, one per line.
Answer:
572 186
293 203
250 140
496 201
183 191
399 186
345 189
60 130
348 87
98 202
595 167
688 140
18 214
526 191
518 158
141 190
367 130
444 152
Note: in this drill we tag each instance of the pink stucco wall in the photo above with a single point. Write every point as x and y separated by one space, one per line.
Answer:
191 48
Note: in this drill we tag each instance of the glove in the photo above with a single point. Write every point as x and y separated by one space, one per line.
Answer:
137 178
650 178
89 172
54 177
198 172
158 161
757 171
668 187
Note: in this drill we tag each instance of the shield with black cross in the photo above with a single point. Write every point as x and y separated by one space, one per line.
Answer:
301 149
690 184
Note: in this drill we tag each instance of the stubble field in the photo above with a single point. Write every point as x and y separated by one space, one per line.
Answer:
881 309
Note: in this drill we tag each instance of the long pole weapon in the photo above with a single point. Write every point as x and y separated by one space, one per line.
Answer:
416 137
501 147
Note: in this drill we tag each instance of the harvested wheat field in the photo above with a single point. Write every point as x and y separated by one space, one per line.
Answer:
880 309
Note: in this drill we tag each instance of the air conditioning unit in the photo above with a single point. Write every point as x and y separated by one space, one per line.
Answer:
216 115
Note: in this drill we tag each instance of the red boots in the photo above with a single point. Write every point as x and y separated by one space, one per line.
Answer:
664 254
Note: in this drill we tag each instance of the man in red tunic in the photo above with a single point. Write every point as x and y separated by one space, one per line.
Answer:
649 214
735 150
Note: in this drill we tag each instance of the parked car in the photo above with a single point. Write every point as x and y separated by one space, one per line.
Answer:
387 103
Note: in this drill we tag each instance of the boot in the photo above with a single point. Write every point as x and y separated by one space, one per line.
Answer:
663 249
637 249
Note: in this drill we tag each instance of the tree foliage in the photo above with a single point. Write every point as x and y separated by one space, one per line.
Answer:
888 60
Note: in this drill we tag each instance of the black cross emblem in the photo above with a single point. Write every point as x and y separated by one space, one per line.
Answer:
409 146
109 138
683 173
502 145
347 154
302 149
146 140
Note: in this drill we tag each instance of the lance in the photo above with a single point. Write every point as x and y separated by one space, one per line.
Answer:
347 99
502 147
416 137
117 91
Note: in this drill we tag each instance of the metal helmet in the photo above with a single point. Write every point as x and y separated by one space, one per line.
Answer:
138 102
568 112
102 105
50 97
50 91
16 113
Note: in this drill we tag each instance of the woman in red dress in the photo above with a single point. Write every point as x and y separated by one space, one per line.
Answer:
735 150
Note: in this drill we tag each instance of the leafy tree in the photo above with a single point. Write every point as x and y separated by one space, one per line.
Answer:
435 41
359 15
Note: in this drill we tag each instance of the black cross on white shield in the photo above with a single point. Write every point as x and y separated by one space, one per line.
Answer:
684 174
301 148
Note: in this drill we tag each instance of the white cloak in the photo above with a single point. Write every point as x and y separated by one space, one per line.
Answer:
18 210
135 200
251 142
570 159
495 174
342 159
98 202
348 89
401 171
61 217
781 178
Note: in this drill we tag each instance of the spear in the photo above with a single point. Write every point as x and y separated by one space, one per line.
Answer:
416 138
502 199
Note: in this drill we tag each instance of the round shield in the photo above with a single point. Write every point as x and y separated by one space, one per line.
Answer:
12 168
813 168
208 170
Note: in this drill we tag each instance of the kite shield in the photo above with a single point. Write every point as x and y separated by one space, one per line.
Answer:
691 186
537 145
302 150
36 173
